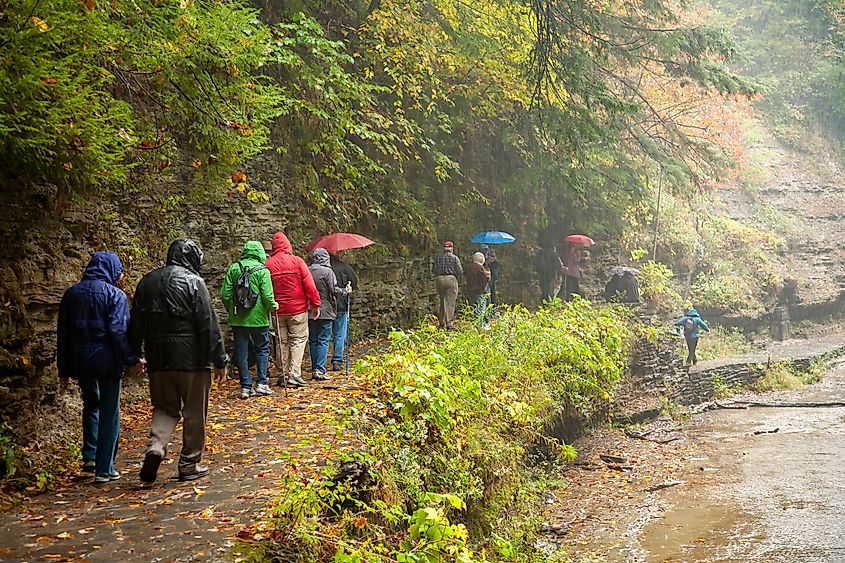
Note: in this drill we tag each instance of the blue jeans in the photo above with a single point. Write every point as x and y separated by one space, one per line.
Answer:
319 334
340 328
260 337
100 422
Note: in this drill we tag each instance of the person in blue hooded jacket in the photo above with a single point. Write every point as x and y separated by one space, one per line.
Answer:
93 348
691 323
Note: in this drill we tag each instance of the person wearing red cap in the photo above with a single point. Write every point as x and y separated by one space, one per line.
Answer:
447 270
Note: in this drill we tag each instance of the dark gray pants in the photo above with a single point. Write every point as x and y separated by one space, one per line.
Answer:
175 395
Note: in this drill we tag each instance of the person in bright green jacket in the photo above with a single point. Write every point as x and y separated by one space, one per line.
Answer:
251 323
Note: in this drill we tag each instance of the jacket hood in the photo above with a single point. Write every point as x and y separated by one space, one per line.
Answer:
281 244
104 266
185 253
255 250
320 257
692 313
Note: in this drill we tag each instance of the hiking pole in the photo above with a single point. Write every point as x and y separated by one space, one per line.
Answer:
274 320
348 320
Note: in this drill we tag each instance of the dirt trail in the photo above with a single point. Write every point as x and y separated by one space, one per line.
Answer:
251 444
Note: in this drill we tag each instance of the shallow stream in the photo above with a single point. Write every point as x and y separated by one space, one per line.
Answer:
771 496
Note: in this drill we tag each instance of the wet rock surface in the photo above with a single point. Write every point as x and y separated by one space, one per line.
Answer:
746 492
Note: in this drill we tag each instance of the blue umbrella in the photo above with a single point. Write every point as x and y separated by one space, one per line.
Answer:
493 237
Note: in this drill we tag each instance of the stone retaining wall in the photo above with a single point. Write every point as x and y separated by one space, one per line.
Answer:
657 368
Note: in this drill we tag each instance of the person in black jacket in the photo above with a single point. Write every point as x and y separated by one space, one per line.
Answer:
340 326
175 328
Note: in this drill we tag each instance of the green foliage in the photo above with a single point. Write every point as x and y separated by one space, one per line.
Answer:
11 456
386 113
794 50
658 289
452 439
778 376
22 471
722 390
91 89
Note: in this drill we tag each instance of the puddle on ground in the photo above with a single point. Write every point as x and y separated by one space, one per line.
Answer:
770 497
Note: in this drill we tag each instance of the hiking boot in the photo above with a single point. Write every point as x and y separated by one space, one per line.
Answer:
297 381
320 376
337 366
100 479
149 470
263 389
246 393
198 472
89 466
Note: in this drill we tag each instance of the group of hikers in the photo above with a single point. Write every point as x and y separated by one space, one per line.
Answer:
172 333
481 277
559 277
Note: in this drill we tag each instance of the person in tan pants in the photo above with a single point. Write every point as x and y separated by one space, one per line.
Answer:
295 292
447 270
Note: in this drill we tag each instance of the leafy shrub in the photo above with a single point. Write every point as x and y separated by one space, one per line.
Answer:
658 288
97 88
450 440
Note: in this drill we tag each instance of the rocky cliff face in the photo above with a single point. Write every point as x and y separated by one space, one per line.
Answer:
48 242
797 194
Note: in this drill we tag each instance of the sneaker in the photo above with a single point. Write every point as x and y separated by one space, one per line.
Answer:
263 389
99 479
337 366
198 472
320 376
89 466
297 381
246 393
149 470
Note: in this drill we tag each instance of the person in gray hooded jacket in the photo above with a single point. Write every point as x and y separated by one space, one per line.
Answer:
320 329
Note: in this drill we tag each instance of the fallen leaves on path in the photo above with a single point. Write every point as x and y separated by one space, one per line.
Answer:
250 445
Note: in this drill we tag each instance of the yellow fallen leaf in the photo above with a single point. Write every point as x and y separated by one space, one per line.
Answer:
199 491
41 25
64 535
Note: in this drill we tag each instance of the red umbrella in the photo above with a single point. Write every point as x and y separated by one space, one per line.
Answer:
336 242
579 239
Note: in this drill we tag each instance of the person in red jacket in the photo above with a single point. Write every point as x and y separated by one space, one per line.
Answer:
295 293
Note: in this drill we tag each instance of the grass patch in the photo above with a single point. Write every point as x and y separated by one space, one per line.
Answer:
720 342
783 375
777 377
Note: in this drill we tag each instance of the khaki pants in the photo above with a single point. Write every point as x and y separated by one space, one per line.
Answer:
293 335
175 395
447 292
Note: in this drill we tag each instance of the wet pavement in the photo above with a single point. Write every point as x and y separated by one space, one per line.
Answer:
251 444
772 496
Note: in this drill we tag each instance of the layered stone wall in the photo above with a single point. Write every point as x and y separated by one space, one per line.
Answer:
657 368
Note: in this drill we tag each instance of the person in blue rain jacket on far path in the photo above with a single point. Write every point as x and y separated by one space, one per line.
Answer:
692 323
